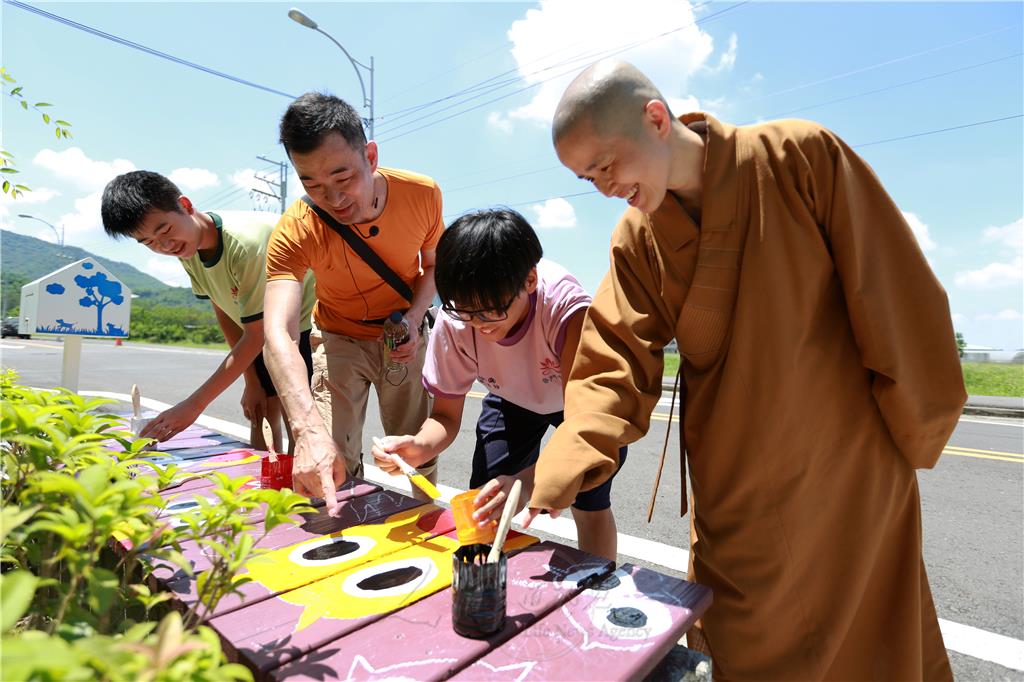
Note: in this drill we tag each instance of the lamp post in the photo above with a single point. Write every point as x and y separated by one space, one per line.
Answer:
299 17
59 234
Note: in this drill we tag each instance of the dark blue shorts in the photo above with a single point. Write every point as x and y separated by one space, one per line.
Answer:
264 374
508 440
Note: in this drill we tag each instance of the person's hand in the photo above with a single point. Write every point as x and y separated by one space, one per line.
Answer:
319 468
407 351
172 421
534 512
403 446
490 501
254 402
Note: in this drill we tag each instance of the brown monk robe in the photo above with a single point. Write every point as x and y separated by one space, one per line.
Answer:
819 370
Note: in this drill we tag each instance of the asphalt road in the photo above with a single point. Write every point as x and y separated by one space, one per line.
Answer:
972 500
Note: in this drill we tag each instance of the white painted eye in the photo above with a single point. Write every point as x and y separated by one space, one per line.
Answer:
331 550
392 578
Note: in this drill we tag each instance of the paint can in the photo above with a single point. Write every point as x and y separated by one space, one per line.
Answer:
468 531
478 592
276 475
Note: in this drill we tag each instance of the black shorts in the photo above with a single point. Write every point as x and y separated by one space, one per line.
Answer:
261 368
508 440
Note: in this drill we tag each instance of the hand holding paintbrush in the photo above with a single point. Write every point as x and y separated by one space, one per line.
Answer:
392 462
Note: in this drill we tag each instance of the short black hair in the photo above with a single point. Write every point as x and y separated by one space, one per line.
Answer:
315 115
484 258
129 197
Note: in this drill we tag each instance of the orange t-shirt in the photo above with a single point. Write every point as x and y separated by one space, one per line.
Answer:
348 291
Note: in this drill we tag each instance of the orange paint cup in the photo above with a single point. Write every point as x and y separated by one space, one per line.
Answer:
470 533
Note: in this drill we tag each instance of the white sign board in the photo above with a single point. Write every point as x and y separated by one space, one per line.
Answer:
81 299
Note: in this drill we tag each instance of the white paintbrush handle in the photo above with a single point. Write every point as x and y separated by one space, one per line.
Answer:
136 401
268 440
506 521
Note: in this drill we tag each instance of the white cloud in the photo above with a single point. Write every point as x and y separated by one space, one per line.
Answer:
1011 235
167 270
84 225
554 213
246 179
1006 314
499 122
992 276
587 30
728 58
683 105
959 318
39 195
73 165
191 179
920 230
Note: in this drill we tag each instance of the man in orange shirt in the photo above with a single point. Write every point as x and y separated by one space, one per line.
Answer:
352 204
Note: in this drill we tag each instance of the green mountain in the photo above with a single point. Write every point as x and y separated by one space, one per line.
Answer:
23 259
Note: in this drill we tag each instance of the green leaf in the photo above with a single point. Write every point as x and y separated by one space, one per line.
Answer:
102 589
7 186
16 591
56 131
63 123
7 169
46 118
42 104
24 104
6 154
16 90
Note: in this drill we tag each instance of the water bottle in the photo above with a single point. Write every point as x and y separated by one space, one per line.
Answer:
396 332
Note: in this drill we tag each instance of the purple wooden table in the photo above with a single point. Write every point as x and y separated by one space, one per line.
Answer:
367 595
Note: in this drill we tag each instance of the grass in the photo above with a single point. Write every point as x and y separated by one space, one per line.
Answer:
981 378
183 344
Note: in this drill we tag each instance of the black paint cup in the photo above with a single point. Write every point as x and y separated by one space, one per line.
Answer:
478 592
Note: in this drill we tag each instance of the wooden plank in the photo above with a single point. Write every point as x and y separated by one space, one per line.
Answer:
296 622
419 643
617 630
182 441
362 509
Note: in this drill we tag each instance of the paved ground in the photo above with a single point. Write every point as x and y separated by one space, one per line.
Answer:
972 501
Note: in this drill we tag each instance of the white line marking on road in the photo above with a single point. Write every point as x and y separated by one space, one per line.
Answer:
10 346
964 639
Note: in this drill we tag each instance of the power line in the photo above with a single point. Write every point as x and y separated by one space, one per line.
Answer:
142 48
860 144
892 87
940 130
580 57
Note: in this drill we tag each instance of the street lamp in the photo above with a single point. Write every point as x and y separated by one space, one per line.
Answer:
60 234
298 17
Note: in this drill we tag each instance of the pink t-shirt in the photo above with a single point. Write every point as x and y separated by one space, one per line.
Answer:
523 368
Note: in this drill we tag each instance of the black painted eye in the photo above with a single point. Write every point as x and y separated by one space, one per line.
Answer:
330 551
627 617
389 579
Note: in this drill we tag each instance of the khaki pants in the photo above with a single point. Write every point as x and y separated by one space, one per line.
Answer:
343 371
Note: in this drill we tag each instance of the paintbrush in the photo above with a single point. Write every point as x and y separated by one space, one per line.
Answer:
506 520
268 441
136 401
418 479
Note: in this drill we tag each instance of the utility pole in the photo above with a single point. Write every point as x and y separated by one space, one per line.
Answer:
279 189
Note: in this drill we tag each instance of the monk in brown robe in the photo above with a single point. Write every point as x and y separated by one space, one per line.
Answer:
818 365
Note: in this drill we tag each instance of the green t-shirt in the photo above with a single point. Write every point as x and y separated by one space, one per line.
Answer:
236 276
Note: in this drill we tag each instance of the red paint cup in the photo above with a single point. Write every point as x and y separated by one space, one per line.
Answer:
276 475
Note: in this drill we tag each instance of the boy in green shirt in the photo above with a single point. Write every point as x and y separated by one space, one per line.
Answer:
225 256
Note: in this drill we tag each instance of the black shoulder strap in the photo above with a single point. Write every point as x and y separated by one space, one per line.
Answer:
363 250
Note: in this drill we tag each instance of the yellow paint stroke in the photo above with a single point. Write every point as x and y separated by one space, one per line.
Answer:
276 571
327 598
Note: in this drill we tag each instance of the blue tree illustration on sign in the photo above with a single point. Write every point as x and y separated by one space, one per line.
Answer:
100 292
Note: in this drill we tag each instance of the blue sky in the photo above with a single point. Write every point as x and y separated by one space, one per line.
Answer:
872 71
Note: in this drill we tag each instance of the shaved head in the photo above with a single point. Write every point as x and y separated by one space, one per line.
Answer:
609 95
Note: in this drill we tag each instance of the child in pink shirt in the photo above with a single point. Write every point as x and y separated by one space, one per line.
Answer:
512 321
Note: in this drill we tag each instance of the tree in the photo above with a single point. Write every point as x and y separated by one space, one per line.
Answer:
60 129
960 343
99 292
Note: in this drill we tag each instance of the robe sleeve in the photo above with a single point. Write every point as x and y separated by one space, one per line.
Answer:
616 376
897 307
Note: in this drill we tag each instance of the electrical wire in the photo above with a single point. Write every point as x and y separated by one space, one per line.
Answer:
142 48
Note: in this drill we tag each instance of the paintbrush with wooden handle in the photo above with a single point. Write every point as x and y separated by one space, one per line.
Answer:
418 479
506 520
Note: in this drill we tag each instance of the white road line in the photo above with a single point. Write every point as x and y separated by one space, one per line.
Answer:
964 639
10 346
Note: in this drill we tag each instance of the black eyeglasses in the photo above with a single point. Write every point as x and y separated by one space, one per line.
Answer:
492 315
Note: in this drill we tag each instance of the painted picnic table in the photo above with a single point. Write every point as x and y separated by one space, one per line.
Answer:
367 594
